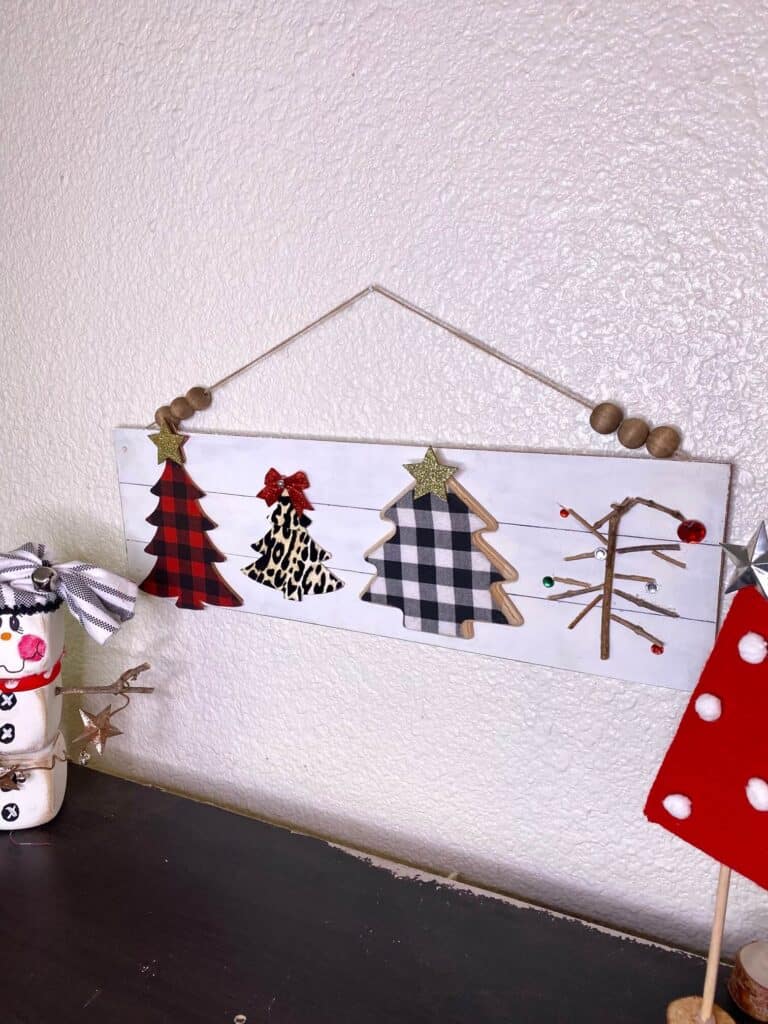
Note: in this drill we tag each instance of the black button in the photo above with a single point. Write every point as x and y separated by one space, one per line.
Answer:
10 812
7 733
7 701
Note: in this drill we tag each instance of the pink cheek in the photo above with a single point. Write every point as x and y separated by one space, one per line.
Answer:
32 648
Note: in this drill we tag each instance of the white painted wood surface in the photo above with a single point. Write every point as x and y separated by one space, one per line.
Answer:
351 482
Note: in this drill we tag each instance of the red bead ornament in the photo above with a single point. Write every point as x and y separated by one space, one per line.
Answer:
691 531
564 513
657 649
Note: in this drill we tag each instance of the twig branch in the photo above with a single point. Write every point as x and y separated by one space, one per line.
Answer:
585 611
610 567
587 526
667 558
648 547
647 604
575 593
637 629
628 504
120 686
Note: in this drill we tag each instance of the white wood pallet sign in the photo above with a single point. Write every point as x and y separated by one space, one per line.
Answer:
351 483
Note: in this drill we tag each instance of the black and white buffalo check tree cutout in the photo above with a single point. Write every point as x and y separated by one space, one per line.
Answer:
437 567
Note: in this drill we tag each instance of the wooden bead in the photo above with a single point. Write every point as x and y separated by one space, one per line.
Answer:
663 442
199 398
633 432
164 415
605 418
181 408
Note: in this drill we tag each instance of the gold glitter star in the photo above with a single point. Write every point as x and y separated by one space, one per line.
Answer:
430 475
98 728
169 444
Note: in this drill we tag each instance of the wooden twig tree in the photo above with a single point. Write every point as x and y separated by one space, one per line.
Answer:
606 530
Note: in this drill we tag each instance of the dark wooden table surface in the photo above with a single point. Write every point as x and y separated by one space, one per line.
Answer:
149 909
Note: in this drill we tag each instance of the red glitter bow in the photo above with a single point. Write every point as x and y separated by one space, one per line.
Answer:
275 483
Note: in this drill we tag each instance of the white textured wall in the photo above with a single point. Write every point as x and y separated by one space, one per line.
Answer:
583 184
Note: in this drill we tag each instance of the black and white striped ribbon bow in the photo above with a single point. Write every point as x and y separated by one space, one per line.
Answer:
100 600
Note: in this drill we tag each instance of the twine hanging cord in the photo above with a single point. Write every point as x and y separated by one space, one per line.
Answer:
605 417
457 332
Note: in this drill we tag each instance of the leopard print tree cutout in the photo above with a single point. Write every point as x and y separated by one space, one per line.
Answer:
290 560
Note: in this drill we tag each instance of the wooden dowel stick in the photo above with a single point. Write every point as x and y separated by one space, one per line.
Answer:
715 944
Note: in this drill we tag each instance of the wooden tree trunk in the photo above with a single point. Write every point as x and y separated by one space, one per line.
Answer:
610 568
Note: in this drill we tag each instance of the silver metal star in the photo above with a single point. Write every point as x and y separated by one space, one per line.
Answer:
751 562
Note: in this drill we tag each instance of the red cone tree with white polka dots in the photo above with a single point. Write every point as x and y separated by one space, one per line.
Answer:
712 788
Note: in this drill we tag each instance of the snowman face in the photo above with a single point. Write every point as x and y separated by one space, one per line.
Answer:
30 644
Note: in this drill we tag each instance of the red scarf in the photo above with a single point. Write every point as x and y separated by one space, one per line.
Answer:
30 682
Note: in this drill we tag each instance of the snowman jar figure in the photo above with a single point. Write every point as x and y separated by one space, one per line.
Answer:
34 593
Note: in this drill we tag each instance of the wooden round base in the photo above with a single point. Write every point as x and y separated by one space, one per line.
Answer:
687 1011
748 984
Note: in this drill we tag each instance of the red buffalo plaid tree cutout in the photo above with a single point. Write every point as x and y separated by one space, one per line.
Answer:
185 554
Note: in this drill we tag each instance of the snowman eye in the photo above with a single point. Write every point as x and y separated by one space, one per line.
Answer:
15 624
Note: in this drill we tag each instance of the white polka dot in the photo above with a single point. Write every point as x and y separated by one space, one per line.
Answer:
757 794
708 707
677 805
753 648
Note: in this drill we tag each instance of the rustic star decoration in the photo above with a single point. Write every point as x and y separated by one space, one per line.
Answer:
751 560
10 779
169 444
98 728
431 475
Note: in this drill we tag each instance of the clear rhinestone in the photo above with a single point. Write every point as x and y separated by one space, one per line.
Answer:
601 554
84 757
652 587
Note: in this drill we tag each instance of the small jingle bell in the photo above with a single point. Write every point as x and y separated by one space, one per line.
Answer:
43 577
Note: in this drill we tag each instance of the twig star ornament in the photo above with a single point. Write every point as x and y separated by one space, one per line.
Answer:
98 728
751 560
431 475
